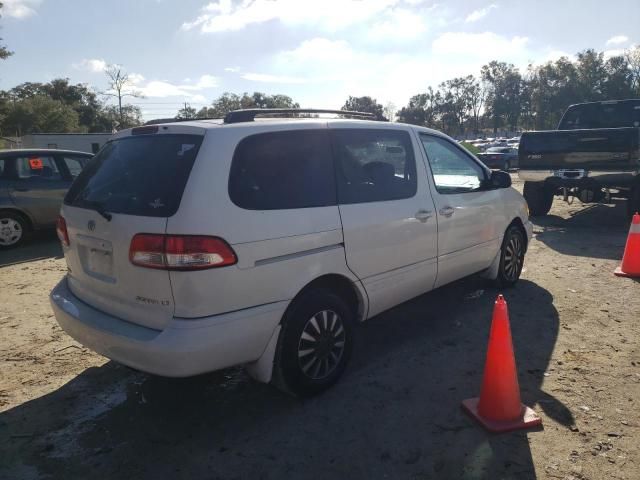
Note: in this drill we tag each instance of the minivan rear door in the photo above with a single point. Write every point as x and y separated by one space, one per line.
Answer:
132 186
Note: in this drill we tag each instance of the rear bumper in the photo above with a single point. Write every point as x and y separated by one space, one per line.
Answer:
184 348
577 175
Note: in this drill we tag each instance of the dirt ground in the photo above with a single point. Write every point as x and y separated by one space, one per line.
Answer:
66 412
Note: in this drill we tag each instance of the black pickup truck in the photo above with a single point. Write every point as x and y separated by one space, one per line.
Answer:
593 156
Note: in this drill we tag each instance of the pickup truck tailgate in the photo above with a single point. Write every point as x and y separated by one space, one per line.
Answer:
605 149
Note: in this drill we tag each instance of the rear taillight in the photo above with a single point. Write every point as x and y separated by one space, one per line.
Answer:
61 229
180 252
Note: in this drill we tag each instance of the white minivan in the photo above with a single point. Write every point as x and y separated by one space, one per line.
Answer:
198 245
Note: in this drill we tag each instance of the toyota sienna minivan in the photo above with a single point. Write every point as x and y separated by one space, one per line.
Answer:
198 245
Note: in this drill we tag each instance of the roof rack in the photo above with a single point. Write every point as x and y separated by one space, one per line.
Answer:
249 115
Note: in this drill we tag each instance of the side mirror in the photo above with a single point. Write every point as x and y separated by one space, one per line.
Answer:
499 179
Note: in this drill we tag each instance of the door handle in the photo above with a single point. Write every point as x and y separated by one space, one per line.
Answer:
423 215
447 211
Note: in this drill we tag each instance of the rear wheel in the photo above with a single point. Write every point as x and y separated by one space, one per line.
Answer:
511 257
539 197
13 229
316 343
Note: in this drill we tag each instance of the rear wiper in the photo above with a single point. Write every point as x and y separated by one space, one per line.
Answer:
99 208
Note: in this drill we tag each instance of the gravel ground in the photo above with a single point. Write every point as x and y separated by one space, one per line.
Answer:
66 412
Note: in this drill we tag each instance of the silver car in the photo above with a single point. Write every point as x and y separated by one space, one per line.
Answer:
32 186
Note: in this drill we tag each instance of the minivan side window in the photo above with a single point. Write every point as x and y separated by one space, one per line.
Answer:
283 170
453 170
374 165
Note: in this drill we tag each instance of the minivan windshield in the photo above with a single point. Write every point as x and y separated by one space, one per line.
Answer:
137 175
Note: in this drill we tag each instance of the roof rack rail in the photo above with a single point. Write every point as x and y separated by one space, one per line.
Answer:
249 115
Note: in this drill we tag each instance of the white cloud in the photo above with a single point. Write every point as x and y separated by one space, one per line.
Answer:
614 52
224 16
136 78
162 88
267 78
554 55
20 8
480 13
399 24
94 65
232 69
617 40
479 45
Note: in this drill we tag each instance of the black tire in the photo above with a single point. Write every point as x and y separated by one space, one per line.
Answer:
512 253
14 230
633 202
539 197
305 367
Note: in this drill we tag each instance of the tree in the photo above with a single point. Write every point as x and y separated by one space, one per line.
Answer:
120 118
617 83
503 104
477 95
228 102
4 51
390 110
423 109
633 61
120 86
591 75
186 112
364 104
39 114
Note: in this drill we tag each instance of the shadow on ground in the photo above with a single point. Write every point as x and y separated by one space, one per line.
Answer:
42 244
566 235
395 414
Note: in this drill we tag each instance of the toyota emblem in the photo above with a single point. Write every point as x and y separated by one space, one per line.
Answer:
91 225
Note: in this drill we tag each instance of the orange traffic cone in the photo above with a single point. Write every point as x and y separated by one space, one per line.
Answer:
499 408
631 259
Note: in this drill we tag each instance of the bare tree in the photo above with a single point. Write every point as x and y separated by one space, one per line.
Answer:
120 86
389 111
477 94
632 57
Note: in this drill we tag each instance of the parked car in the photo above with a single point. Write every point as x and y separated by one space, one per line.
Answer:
204 244
32 186
504 158
594 154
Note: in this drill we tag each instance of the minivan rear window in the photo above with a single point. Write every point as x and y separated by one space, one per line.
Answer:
141 175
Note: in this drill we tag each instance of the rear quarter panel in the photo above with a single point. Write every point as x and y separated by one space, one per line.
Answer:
279 251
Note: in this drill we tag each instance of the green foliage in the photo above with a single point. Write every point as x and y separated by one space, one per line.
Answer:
505 98
4 51
228 102
364 104
186 113
471 148
39 114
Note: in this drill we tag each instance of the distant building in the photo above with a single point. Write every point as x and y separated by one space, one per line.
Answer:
82 142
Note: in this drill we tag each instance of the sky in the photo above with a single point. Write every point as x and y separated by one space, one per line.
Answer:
316 51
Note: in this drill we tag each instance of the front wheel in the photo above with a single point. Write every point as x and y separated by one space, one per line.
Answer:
316 343
511 257
539 197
